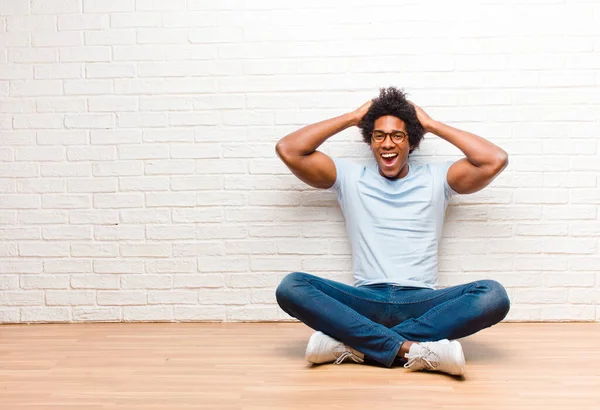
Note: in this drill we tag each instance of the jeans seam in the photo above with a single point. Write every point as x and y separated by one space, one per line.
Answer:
438 308
446 291
344 292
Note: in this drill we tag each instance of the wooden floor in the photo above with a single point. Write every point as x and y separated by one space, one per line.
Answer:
256 366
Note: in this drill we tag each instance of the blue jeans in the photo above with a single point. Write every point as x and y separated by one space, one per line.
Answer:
377 319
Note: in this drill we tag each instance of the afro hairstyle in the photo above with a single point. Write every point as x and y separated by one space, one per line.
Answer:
392 101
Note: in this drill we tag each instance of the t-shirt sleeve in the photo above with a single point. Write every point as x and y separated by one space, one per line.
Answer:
343 169
440 172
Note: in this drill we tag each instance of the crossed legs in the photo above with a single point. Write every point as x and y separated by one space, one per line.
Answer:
381 321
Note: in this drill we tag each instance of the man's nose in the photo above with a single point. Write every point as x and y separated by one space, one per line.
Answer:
387 142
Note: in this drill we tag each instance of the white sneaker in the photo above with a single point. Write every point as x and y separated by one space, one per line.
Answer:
324 349
443 356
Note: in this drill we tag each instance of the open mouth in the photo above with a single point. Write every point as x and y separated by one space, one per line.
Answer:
389 158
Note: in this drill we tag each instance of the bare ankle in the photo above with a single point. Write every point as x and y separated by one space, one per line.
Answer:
404 348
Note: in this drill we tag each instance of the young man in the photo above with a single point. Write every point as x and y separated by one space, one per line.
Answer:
394 212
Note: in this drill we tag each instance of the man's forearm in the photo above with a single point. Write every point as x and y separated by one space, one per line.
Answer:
479 151
307 139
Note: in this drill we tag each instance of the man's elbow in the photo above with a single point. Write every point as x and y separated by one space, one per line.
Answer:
500 161
281 149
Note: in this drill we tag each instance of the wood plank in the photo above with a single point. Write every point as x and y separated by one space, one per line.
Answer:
252 366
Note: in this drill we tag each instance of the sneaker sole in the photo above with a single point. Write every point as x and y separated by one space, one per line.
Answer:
311 347
459 357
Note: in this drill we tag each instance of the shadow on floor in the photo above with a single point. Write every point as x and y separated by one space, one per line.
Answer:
475 351
295 349
478 351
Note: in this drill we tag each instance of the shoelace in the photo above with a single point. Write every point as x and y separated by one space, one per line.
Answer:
345 353
426 358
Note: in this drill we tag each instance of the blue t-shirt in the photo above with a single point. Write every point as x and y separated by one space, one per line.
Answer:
394 226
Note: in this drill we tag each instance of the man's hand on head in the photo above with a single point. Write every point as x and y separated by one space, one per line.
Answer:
360 112
425 120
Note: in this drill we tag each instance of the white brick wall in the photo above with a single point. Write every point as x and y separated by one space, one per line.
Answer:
138 176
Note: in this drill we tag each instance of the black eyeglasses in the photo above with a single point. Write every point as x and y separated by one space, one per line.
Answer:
397 136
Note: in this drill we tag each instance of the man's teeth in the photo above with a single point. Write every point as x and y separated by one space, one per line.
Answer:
388 155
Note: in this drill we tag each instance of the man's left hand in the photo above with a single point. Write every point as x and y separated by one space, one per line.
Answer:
425 120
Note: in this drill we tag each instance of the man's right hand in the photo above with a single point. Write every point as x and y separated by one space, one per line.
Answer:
360 112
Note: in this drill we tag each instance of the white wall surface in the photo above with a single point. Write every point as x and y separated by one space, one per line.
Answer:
139 181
